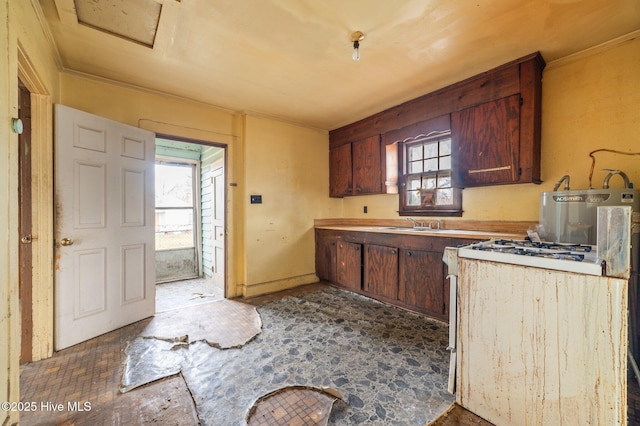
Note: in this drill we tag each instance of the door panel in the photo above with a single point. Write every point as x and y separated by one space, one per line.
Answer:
349 265
133 197
90 282
133 274
367 167
381 271
421 282
90 195
487 143
340 171
105 267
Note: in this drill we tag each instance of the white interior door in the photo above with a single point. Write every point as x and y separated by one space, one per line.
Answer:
105 264
217 225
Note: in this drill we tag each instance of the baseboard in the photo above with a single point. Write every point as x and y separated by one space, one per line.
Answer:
267 287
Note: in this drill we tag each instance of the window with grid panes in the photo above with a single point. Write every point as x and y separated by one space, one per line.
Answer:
427 175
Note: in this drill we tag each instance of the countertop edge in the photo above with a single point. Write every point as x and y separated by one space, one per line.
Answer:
448 233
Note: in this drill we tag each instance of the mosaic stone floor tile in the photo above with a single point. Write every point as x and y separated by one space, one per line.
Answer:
390 365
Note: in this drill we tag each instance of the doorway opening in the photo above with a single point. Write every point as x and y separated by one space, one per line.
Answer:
25 255
190 223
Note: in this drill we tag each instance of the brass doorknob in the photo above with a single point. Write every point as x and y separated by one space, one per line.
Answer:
66 242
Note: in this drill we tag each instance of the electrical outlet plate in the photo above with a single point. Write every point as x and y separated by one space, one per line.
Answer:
256 199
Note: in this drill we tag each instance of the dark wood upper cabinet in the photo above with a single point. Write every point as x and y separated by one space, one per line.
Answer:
496 127
487 143
356 168
340 171
367 166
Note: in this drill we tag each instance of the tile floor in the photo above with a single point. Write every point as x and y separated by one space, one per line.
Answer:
91 371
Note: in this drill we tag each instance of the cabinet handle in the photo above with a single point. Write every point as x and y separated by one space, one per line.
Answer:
408 253
493 169
393 252
358 189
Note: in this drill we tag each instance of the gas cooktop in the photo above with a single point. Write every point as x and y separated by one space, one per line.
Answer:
579 258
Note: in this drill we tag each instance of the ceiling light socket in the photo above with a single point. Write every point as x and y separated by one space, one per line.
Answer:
357 36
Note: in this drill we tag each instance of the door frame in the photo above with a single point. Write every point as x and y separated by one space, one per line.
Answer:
225 148
42 207
197 207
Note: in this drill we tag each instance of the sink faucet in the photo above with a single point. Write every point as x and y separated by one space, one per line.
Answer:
437 221
415 222
612 172
564 178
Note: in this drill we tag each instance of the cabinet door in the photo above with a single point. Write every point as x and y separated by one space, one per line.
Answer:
349 265
326 257
381 271
367 166
421 282
340 171
486 141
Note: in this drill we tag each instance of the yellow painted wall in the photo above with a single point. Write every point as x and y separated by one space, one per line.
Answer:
288 165
590 101
270 246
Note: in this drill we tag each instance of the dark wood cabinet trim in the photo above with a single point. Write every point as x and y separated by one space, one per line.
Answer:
530 122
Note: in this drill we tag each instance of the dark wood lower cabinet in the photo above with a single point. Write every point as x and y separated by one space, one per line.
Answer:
421 281
349 265
381 271
403 270
326 257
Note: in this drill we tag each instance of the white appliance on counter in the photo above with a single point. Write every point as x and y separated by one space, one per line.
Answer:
540 330
572 216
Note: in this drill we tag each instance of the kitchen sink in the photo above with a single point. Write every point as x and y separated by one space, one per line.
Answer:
413 229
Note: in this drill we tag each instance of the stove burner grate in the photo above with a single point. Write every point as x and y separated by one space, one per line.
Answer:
570 252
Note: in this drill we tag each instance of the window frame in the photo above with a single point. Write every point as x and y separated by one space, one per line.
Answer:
454 209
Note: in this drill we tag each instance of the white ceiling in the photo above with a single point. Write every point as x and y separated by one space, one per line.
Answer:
292 58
